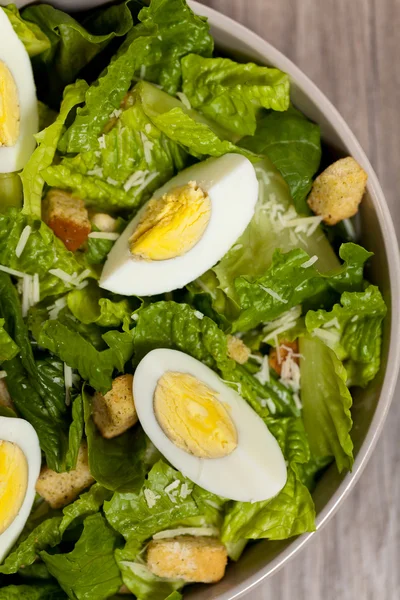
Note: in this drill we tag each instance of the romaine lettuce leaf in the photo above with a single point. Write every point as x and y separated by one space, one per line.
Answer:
75 433
143 583
233 94
33 38
326 402
90 571
87 504
26 552
36 591
291 281
353 330
70 45
77 352
90 305
292 511
293 144
168 31
8 348
43 155
43 252
120 463
37 402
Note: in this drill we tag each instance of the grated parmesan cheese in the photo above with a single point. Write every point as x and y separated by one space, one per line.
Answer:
150 497
36 289
146 183
65 277
147 147
26 294
3 374
68 383
194 531
97 172
116 113
185 490
55 308
263 375
135 317
112 181
198 314
12 272
135 179
184 99
329 337
273 294
332 323
26 232
102 141
309 262
104 235
172 490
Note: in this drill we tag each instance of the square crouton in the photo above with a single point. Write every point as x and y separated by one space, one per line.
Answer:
59 489
115 412
67 217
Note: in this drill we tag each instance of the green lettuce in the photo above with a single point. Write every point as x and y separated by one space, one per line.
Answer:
292 511
37 591
70 45
77 352
43 252
143 583
10 191
168 31
291 281
120 463
75 433
353 330
90 305
293 144
8 348
326 402
42 157
33 38
26 553
90 571
233 94
87 504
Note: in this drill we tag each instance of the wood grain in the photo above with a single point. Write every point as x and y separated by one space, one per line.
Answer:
350 49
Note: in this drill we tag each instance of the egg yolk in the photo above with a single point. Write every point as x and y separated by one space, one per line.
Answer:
192 416
173 224
9 108
13 482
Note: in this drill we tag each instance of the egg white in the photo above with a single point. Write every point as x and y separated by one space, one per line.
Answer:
22 434
232 186
255 470
16 59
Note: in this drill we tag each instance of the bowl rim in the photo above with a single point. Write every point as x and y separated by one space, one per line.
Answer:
279 60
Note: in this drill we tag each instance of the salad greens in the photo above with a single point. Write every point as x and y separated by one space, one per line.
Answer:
129 95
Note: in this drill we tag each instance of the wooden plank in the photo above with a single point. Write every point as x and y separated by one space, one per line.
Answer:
350 49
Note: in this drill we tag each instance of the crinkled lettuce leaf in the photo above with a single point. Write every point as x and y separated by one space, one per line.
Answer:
143 583
70 45
293 144
291 281
168 31
87 504
36 591
30 34
43 155
91 305
94 366
233 94
8 348
46 534
43 251
120 463
353 330
292 511
90 571
35 400
75 433
326 402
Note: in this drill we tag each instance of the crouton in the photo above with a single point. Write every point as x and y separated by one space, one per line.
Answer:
238 349
5 398
115 412
67 217
277 356
104 222
59 489
338 191
193 559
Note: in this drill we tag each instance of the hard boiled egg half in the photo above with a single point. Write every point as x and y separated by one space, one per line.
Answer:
205 429
19 120
20 460
184 229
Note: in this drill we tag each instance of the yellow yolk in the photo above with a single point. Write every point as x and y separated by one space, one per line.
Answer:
173 224
9 108
13 482
193 417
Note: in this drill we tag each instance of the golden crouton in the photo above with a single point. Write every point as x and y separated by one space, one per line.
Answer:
194 559
277 356
104 222
115 412
238 349
338 191
59 489
5 398
67 217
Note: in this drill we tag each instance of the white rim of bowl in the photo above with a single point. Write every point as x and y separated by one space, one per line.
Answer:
280 61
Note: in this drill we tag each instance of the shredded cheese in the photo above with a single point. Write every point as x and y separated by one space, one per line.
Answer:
97 172
104 235
185 490
26 294
135 317
36 289
116 113
194 531
146 183
273 294
142 71
135 179
102 141
332 323
55 308
309 262
26 232
65 277
12 272
112 181
68 381
263 375
198 314
150 497
329 337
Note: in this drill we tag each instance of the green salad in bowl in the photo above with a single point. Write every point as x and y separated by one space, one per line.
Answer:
183 305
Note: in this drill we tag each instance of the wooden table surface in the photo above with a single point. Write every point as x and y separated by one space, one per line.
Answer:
350 49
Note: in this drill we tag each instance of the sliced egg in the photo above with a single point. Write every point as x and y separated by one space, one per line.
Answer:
20 460
187 227
205 429
19 120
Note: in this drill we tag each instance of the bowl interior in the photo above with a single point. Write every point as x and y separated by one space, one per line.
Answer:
370 405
